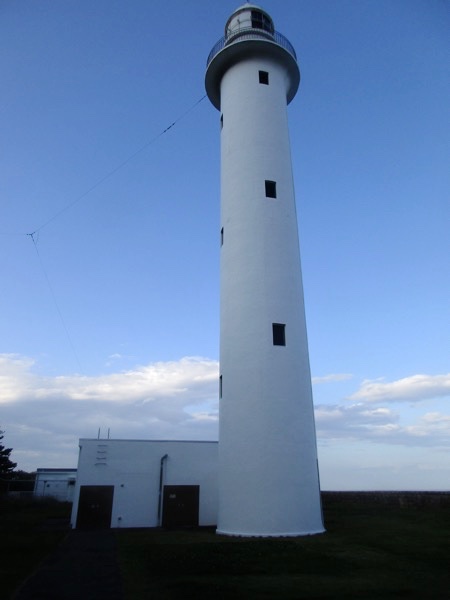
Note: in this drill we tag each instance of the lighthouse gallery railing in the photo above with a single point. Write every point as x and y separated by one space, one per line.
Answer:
250 34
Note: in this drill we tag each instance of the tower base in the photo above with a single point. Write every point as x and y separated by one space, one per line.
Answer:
268 535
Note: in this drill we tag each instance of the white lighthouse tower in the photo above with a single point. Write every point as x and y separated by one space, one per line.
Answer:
268 472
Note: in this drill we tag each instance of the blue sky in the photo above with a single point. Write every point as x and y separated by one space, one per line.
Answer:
109 313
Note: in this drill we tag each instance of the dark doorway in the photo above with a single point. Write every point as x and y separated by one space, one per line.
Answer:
180 506
95 507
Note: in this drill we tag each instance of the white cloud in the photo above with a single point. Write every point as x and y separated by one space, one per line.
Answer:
431 424
16 379
412 389
341 420
191 376
358 422
45 416
368 417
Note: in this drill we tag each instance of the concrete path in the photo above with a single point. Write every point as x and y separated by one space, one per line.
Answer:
83 567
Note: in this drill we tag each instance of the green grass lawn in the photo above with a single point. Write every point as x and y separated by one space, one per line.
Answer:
369 551
27 537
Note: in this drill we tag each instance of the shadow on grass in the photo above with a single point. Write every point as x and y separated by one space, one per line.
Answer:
370 551
29 532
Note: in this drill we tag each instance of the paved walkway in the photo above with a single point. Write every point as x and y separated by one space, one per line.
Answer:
84 567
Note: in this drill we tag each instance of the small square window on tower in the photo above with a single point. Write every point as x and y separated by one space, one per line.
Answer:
279 334
264 77
271 189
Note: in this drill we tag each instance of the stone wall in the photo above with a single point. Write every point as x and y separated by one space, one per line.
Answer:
402 499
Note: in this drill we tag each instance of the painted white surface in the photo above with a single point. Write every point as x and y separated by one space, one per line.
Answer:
55 483
133 468
268 473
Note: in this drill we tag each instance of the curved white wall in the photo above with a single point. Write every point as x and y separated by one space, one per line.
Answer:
268 476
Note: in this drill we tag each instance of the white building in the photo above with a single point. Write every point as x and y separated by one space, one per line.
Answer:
55 483
145 483
268 470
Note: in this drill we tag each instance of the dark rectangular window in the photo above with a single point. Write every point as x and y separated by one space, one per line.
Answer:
220 386
264 77
271 189
221 121
261 21
279 334
221 237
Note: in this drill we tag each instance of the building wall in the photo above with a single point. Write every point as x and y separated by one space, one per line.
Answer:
55 483
133 468
268 475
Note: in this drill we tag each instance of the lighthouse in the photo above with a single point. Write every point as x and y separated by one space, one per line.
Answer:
268 470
